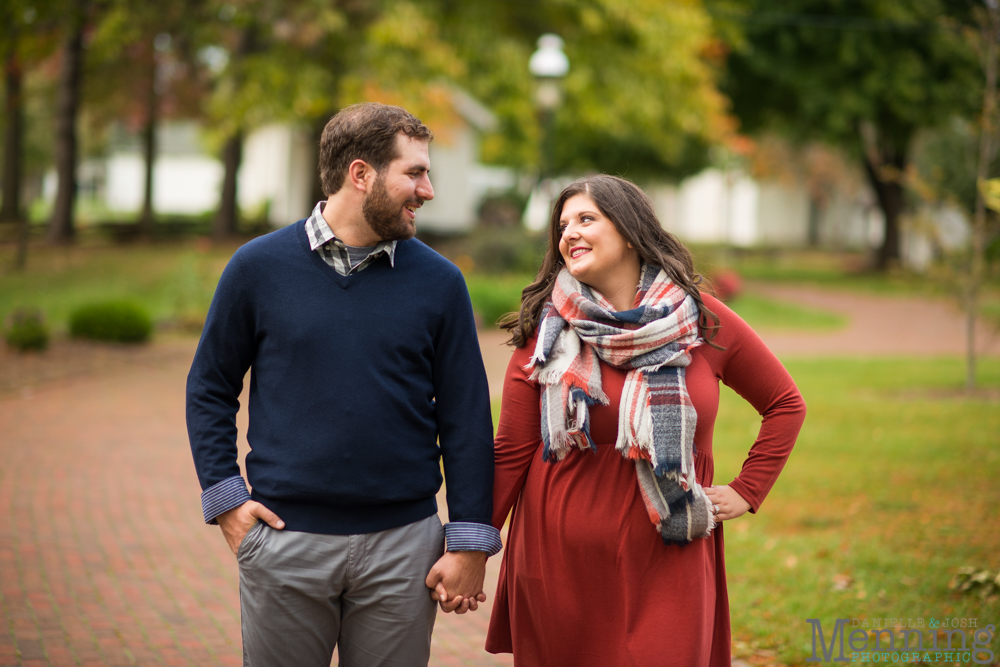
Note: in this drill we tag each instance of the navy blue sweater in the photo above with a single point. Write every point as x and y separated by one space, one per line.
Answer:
354 381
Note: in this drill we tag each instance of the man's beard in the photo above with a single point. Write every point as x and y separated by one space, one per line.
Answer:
386 217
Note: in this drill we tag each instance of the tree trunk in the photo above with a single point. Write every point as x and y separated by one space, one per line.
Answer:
316 191
62 229
146 219
13 153
227 220
13 158
885 177
977 268
815 213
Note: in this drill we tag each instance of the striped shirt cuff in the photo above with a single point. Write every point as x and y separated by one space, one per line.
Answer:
468 536
222 497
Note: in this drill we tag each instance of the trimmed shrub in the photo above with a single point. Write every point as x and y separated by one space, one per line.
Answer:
495 296
115 321
27 331
506 250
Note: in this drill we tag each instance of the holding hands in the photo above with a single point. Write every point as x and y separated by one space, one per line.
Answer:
456 581
727 504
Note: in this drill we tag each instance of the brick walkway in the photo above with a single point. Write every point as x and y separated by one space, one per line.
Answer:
103 556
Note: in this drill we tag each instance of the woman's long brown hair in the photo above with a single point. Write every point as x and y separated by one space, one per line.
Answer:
631 212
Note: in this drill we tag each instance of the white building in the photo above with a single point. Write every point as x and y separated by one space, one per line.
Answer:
186 180
732 208
460 182
279 168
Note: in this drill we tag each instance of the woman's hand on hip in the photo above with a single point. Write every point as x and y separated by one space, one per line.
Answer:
726 503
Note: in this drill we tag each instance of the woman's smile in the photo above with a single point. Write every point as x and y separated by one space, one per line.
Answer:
595 253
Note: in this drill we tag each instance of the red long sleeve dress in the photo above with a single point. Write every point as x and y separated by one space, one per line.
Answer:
586 580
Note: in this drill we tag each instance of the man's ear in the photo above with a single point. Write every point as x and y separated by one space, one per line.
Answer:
360 174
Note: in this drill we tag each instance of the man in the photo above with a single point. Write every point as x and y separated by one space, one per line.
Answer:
363 357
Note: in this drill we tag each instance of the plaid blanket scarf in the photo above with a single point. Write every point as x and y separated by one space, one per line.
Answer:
656 418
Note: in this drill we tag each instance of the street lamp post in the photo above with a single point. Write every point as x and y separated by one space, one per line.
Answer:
548 64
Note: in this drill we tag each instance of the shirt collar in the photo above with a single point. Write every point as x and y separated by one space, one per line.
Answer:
319 233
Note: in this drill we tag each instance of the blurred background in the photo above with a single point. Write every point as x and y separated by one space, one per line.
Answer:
831 163
850 127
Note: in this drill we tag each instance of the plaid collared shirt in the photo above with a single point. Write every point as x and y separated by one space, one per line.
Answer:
335 252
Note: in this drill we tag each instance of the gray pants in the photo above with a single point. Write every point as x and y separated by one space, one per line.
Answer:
303 594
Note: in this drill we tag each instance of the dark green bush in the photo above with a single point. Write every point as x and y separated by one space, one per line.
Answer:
116 321
26 330
493 250
505 249
495 296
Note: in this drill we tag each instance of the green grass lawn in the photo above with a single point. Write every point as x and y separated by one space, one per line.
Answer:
762 313
892 487
174 282
494 296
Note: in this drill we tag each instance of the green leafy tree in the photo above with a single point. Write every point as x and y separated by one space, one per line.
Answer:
12 17
865 75
957 163
141 67
283 61
989 33
640 98
28 35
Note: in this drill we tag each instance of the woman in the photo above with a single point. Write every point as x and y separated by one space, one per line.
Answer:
614 554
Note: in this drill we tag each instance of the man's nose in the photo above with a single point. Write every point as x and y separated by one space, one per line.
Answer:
424 189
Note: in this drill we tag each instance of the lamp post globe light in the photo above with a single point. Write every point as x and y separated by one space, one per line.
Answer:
548 64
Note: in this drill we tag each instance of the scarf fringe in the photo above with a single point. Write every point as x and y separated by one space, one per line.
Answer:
545 376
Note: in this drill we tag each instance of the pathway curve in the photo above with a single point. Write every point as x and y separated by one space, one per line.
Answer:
878 325
104 559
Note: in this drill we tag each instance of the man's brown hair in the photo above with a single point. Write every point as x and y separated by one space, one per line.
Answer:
365 131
